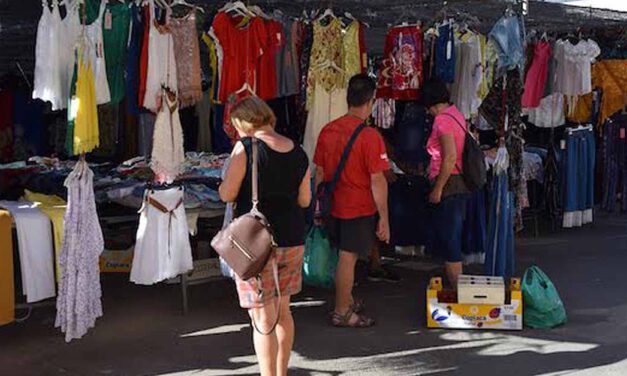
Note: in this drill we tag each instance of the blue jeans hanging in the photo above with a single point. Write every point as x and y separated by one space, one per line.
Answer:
500 243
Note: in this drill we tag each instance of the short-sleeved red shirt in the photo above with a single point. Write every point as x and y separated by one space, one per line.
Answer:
353 194
243 47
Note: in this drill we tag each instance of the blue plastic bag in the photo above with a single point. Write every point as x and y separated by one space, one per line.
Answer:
320 260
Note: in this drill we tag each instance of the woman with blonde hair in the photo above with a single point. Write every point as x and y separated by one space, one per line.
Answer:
284 192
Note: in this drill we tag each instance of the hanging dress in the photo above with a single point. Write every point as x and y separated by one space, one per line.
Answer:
167 145
162 249
187 52
116 44
78 302
93 33
161 62
143 56
85 137
353 55
71 27
326 86
537 76
47 84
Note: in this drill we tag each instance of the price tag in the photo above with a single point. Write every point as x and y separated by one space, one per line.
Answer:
108 20
449 50
279 38
622 133
563 144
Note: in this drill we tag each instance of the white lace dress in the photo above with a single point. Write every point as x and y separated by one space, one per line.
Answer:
167 142
161 62
47 84
78 302
70 31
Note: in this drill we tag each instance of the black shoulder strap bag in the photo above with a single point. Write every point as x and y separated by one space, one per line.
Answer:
324 195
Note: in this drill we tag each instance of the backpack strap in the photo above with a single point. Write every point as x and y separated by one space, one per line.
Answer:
465 129
466 132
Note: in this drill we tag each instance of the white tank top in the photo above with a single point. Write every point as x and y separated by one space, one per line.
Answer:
93 35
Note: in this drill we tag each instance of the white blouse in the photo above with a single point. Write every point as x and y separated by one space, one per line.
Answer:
574 66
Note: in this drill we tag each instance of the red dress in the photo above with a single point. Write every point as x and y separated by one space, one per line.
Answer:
537 76
267 77
143 62
401 69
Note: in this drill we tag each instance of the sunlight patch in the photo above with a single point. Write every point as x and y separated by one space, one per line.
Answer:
236 328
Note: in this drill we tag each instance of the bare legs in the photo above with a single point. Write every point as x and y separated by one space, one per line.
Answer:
285 337
344 280
453 270
273 350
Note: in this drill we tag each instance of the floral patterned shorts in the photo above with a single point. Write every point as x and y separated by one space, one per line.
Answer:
256 294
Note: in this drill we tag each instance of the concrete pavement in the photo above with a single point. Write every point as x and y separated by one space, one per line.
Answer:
144 333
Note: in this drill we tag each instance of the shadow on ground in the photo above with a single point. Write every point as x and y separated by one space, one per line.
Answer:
144 333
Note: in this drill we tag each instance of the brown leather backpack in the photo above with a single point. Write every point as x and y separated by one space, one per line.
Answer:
246 244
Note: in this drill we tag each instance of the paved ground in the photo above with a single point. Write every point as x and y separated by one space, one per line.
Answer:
144 333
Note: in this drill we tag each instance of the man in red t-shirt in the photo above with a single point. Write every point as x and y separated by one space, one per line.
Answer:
360 194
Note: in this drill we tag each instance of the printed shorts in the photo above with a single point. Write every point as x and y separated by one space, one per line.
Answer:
256 294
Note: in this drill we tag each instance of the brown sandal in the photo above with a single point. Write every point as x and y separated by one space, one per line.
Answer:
358 306
344 321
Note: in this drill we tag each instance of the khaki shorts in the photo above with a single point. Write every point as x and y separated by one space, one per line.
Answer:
252 294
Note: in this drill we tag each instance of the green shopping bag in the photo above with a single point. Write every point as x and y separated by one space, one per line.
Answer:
320 260
543 307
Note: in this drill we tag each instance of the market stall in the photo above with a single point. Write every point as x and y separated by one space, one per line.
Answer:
123 128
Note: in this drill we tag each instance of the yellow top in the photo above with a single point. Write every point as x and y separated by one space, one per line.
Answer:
352 50
54 207
86 135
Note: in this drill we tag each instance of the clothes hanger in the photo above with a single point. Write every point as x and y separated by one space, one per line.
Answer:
352 18
239 8
255 9
246 87
327 13
186 4
162 4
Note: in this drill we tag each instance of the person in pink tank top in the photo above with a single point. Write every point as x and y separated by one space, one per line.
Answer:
449 193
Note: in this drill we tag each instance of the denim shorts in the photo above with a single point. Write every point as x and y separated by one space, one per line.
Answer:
447 219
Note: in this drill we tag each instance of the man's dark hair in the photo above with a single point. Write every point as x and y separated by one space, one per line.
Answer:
361 89
435 92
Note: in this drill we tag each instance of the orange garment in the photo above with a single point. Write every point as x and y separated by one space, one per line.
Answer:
7 289
611 76
582 111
